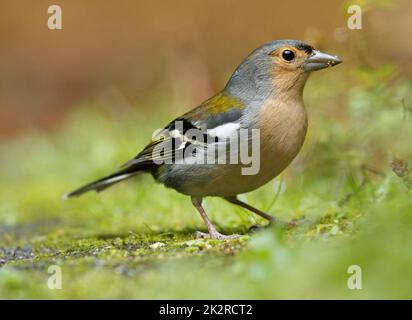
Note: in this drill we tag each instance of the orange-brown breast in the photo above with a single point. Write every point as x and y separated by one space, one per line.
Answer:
283 129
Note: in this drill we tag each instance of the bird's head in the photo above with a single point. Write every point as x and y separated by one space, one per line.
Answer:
279 66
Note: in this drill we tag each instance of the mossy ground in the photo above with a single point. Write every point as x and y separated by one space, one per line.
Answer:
136 240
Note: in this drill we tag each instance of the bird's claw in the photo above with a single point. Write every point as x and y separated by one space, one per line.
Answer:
215 235
283 224
257 228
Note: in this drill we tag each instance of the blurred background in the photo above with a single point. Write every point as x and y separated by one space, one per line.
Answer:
77 103
122 53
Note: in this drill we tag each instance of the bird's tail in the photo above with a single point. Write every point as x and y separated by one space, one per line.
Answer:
103 183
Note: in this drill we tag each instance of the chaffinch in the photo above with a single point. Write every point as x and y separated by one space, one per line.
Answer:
261 107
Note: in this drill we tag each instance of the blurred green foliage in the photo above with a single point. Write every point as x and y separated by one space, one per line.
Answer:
136 239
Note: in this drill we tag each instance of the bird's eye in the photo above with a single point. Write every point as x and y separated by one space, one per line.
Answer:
288 55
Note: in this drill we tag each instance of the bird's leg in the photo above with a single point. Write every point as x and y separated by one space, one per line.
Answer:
271 219
213 233
236 201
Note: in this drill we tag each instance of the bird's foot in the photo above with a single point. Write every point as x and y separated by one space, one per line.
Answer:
297 222
215 235
292 224
257 228
283 224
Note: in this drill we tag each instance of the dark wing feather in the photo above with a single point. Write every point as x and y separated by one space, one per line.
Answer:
175 136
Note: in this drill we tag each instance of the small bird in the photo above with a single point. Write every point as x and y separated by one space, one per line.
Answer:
261 108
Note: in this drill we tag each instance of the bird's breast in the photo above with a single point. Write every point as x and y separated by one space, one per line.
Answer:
283 126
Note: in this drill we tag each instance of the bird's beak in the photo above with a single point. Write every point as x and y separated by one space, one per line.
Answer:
319 60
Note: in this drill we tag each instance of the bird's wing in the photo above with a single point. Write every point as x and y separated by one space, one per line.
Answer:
214 120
